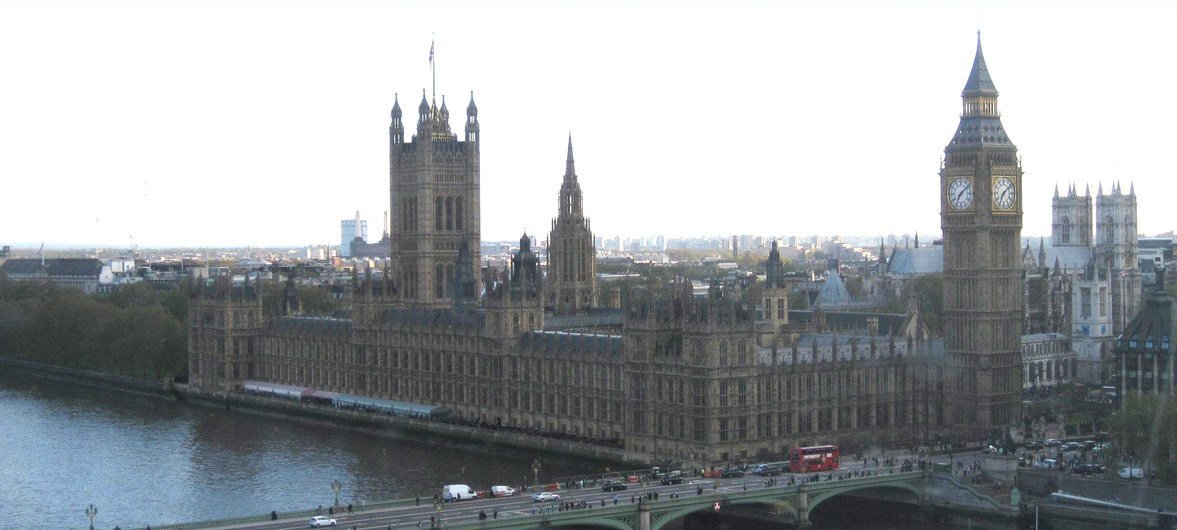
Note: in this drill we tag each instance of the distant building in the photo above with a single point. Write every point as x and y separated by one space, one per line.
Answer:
349 231
78 274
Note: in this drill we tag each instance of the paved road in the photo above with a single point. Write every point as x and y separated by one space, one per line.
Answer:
521 505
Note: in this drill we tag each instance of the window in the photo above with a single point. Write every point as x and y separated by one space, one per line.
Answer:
1085 302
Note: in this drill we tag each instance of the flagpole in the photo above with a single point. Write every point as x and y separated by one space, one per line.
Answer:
433 66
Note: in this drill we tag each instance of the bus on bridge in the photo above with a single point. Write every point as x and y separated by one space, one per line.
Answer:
816 458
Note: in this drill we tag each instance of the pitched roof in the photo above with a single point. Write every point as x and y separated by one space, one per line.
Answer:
979 82
56 267
916 261
1151 330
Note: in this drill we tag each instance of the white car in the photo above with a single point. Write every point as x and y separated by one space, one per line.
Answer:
320 521
545 496
502 491
1131 472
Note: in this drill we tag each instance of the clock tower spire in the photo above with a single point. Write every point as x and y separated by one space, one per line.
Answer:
981 218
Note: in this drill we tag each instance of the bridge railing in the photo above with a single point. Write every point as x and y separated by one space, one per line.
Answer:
287 515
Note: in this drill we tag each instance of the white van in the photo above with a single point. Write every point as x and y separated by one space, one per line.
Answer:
502 491
457 492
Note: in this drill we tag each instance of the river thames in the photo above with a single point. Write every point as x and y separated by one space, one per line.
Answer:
143 460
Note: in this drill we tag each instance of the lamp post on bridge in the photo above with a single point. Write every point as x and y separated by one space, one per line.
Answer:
91 512
335 487
535 471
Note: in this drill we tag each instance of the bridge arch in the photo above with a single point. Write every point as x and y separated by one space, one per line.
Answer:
820 497
783 502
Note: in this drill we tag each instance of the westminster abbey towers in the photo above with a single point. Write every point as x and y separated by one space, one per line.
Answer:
981 217
572 271
434 188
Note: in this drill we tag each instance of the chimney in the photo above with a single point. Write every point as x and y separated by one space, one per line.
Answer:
387 229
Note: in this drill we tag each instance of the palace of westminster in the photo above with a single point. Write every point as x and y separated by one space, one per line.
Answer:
673 373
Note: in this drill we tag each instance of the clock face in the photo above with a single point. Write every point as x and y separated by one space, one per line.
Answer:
1004 193
960 193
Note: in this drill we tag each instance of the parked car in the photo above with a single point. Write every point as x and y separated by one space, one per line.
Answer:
732 473
671 479
1034 446
1052 443
321 520
1088 445
1131 472
613 485
502 491
545 496
1071 446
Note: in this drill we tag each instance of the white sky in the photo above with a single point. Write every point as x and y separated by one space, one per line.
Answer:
251 123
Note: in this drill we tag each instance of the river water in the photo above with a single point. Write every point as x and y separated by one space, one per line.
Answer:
142 460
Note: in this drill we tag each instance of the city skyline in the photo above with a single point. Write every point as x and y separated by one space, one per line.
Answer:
266 127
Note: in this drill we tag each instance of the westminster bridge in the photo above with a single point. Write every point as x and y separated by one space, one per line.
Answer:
787 499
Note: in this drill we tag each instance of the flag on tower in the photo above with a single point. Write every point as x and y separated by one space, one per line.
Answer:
431 43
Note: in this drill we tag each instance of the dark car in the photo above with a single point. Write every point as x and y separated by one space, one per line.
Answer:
1089 469
732 473
673 479
613 486
1034 446
1071 446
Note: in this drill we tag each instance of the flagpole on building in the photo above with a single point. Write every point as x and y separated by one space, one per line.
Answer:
433 67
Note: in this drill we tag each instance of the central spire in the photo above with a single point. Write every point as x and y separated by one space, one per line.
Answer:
979 83
570 165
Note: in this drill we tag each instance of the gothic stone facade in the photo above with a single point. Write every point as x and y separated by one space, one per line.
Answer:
981 216
572 271
703 378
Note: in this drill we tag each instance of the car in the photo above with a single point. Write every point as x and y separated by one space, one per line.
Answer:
1088 445
1052 443
1048 463
767 470
614 486
1071 446
544 496
988 449
1131 472
319 521
502 491
1034 446
671 480
1089 469
732 473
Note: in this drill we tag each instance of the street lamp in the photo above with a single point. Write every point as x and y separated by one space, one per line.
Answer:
91 512
335 486
535 470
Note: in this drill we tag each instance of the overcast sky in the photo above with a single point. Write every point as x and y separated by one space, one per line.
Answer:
251 123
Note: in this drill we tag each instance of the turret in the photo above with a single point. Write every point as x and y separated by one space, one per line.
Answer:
396 131
471 120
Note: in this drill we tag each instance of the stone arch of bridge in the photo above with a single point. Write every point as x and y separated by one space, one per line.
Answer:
602 522
820 497
783 504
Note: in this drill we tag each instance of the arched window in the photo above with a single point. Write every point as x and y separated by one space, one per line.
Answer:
449 213
438 210
458 224
439 281
1064 231
449 280
1109 232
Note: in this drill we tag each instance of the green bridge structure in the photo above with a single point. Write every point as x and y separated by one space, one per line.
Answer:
780 501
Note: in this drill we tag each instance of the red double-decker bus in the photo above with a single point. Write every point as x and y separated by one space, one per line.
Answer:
816 458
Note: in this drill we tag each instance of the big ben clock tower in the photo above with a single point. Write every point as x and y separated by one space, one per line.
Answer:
981 218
